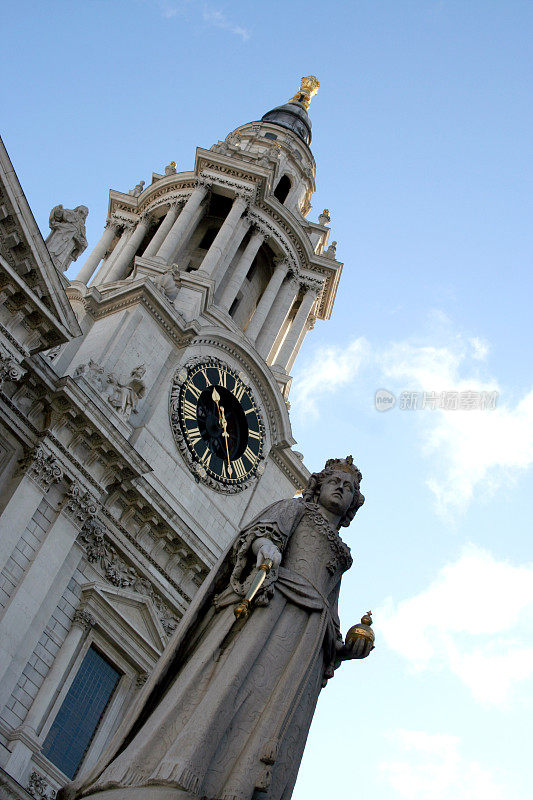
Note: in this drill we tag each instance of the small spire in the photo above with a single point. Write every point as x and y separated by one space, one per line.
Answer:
308 88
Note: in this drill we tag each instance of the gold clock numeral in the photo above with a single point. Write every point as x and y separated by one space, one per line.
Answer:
254 435
238 466
189 409
249 454
222 376
206 458
195 390
204 373
239 391
194 435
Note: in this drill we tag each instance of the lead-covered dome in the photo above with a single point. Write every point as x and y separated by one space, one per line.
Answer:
293 115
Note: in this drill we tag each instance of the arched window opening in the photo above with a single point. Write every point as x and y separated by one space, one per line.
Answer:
282 189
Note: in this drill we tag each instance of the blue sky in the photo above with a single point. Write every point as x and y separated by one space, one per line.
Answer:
422 137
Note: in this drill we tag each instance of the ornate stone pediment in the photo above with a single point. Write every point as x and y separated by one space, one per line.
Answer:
129 618
34 291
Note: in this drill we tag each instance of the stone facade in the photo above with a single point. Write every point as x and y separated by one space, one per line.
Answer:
106 530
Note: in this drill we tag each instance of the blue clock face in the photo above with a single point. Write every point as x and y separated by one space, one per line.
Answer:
219 422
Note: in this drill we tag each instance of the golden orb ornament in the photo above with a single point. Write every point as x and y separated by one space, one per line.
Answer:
360 638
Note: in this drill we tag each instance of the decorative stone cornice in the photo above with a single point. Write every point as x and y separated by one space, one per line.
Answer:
41 466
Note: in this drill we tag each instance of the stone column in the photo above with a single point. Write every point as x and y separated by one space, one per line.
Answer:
130 248
309 325
175 235
241 268
213 255
107 265
35 600
267 298
280 308
240 232
163 230
296 327
86 272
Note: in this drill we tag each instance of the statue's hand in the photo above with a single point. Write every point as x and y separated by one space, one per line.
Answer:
263 548
358 648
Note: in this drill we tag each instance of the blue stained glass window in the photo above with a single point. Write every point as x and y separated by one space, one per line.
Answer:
81 711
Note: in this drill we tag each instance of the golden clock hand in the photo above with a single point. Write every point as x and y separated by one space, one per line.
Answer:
226 437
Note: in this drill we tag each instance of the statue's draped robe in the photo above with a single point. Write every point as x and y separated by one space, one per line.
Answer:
236 715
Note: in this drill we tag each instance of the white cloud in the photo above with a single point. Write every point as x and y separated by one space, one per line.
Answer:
331 369
468 448
431 767
216 17
475 619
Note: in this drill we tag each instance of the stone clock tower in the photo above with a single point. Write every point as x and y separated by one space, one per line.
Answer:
154 435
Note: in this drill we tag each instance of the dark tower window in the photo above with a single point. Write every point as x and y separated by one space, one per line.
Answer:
282 189
79 716
208 238
234 306
270 136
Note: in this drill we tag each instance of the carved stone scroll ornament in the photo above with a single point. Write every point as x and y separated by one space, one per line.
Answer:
10 370
41 466
100 551
39 788
67 239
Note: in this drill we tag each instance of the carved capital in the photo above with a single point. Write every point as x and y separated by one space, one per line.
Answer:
141 679
203 183
79 504
311 285
115 225
41 466
10 370
83 619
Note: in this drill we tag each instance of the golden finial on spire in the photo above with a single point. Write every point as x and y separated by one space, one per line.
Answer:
308 88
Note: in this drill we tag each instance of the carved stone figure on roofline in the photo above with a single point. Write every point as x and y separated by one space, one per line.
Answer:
226 713
66 240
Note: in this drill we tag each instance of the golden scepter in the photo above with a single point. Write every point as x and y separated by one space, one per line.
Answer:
242 611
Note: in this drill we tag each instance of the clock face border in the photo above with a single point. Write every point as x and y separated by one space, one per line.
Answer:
190 382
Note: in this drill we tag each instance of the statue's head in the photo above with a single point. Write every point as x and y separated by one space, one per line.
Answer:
83 210
336 487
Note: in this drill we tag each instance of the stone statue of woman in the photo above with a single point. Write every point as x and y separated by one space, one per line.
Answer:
67 240
226 713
